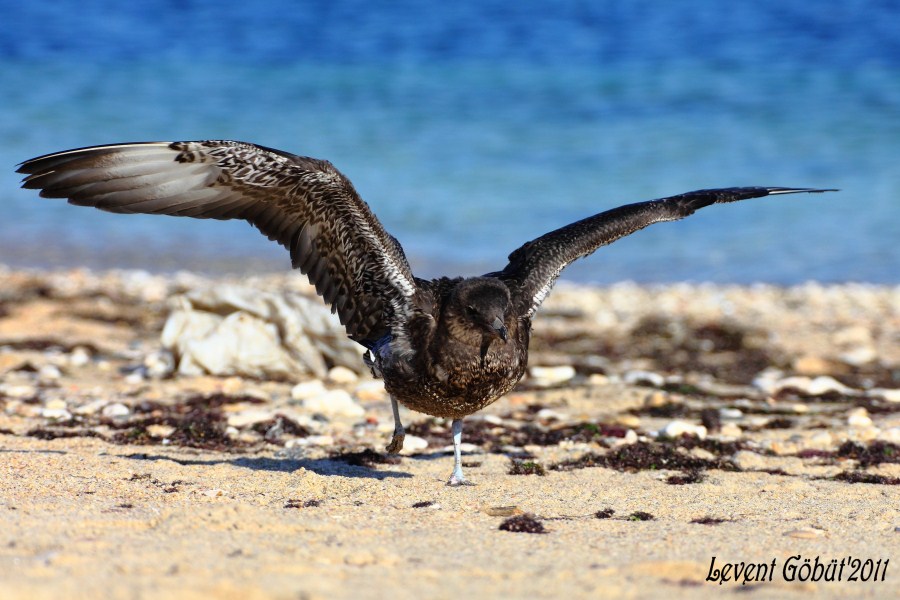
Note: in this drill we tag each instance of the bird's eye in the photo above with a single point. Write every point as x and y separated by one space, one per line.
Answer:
471 311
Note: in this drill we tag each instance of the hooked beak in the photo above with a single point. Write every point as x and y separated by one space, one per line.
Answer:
500 328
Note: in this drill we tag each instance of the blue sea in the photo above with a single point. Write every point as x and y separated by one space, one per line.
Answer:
473 126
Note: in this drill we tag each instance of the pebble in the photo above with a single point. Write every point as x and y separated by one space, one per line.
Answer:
805 533
813 365
628 420
817 386
245 418
307 389
548 414
731 413
821 440
159 365
859 418
57 414
135 377
730 430
886 394
216 493
598 379
492 419
49 373
80 356
160 431
19 392
677 428
860 356
370 391
547 376
91 407
312 440
891 435
117 409
413 444
334 403
644 377
342 375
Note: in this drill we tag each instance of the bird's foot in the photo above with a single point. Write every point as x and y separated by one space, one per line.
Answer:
396 444
458 481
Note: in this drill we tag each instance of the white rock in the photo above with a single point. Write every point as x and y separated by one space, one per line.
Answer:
859 356
57 414
80 356
49 373
216 493
730 430
492 419
307 389
159 365
677 428
631 437
859 418
312 440
892 435
413 444
547 376
598 379
334 403
821 440
731 413
818 386
643 377
135 377
548 414
20 392
370 390
91 407
886 394
116 409
342 375
249 417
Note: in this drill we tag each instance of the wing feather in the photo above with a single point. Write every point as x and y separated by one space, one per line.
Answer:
534 267
305 204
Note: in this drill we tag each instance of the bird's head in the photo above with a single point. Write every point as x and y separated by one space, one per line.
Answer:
481 304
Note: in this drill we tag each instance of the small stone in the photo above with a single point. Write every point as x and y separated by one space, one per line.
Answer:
886 394
821 440
79 357
342 375
215 493
492 419
245 418
370 391
548 414
806 533
117 409
859 356
859 418
49 373
19 392
813 365
233 386
413 444
644 378
631 437
135 377
892 435
91 407
159 365
548 376
160 431
628 421
312 440
334 403
307 389
656 398
730 430
678 428
56 414
731 413
56 404
598 379
750 461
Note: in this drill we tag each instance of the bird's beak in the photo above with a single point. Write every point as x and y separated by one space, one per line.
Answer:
500 328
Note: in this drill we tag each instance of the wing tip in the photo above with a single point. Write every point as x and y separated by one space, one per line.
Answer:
774 191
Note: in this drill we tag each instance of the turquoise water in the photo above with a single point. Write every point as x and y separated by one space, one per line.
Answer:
473 127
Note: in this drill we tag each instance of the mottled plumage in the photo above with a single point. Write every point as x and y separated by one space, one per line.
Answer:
445 347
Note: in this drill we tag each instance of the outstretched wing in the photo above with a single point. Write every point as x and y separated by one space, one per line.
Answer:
534 267
304 204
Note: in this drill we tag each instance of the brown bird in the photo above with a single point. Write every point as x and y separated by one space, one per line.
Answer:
444 347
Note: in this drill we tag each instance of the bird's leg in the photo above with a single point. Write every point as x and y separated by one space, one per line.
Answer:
457 477
396 444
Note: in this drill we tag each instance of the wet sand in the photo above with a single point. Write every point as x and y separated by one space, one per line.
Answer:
749 424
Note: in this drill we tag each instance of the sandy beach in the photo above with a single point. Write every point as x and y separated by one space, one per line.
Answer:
660 428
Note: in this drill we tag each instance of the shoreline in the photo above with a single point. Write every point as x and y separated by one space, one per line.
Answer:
747 423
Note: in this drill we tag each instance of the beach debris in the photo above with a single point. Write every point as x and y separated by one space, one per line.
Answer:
234 330
525 523
677 428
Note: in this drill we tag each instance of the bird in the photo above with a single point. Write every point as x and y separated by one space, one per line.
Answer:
446 347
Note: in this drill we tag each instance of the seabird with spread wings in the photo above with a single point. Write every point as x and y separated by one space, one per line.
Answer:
446 347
